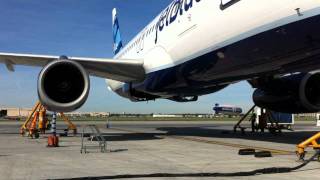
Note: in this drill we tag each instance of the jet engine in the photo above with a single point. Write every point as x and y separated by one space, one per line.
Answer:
63 86
298 93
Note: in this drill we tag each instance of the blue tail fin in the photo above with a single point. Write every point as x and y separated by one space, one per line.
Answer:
117 41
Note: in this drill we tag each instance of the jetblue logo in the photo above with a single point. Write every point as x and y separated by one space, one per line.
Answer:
170 14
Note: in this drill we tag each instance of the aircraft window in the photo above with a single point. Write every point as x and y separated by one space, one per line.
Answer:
227 3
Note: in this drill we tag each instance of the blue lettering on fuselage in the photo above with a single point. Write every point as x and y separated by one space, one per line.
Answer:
170 14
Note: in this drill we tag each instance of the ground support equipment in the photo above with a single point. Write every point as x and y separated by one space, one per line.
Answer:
95 135
311 142
238 125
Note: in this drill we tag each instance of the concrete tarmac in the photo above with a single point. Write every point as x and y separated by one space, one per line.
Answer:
157 150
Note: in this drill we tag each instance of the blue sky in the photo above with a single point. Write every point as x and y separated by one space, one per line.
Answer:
83 28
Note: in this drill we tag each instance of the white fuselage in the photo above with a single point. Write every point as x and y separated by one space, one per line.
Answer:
204 28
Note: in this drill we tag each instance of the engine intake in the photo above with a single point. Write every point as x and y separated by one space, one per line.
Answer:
63 86
298 93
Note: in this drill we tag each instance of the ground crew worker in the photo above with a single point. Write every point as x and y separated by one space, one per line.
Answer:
262 121
253 122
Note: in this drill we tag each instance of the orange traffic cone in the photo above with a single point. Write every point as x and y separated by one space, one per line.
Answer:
53 141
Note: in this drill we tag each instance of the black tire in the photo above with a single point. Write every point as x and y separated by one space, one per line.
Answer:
301 156
247 152
36 135
263 154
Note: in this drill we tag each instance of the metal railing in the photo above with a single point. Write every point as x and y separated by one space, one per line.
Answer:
95 135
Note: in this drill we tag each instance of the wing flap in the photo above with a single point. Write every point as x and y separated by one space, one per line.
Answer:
123 70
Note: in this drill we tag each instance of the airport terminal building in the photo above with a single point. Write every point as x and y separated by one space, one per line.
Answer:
15 112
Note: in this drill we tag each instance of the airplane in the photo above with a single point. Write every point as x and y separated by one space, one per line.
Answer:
198 47
227 109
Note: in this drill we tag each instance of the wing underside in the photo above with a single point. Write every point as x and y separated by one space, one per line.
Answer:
123 70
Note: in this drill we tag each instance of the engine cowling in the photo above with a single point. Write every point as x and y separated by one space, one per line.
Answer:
63 86
298 93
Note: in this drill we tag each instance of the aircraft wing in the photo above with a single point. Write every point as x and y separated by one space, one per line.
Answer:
123 70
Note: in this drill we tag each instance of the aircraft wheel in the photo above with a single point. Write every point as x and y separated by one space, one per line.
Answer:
301 156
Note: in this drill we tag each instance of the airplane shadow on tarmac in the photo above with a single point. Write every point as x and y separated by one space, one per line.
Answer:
285 137
131 136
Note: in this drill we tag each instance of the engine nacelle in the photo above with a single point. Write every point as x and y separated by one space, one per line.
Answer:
135 96
298 93
63 86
